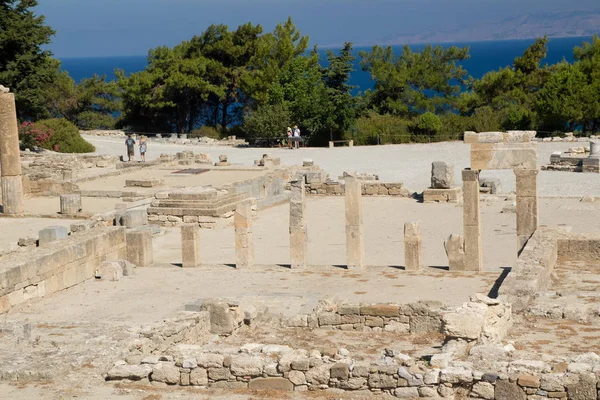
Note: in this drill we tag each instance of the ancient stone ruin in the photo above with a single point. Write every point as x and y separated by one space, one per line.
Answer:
260 276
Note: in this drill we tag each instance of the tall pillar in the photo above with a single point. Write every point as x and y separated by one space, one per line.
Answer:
139 247
413 247
355 247
244 246
527 205
190 246
471 220
10 156
298 234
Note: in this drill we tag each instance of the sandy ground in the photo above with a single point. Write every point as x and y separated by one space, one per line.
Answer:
384 219
51 205
408 163
12 229
171 179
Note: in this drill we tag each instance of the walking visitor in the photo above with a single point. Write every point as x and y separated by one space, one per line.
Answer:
296 136
143 147
130 143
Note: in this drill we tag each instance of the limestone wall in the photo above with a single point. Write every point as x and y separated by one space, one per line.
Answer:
57 265
422 317
334 188
489 373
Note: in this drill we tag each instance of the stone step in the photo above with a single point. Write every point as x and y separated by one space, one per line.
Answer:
198 194
220 201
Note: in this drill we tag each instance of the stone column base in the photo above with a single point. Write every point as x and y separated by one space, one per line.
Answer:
12 195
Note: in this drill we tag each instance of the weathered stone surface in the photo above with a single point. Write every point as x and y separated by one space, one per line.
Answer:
407 393
382 381
354 222
244 365
244 244
219 374
466 322
527 380
210 360
583 388
70 204
456 375
131 372
277 384
483 390
297 377
168 374
199 377
190 246
455 250
509 391
134 218
485 156
139 247
453 195
318 375
340 371
442 175
224 320
380 310
52 233
425 324
110 271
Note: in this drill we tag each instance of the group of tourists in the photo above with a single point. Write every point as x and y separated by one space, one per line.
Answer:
294 137
130 143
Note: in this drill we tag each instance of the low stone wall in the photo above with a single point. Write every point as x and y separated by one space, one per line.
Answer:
57 265
333 188
268 190
489 373
579 247
532 271
422 317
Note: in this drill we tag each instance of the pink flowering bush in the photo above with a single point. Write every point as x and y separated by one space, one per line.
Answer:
31 134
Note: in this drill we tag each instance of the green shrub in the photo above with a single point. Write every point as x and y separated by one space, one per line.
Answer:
206 131
89 120
380 129
269 121
66 136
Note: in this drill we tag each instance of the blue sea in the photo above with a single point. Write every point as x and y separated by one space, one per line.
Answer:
485 57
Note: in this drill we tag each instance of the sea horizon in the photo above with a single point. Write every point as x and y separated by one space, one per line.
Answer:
485 56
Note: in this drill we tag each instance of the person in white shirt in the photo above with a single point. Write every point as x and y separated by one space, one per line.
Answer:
296 136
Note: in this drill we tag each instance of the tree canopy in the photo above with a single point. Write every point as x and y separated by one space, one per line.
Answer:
257 83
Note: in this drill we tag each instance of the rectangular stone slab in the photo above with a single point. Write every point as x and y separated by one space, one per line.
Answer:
485 156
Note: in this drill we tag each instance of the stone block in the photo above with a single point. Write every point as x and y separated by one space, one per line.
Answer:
506 390
380 310
453 195
275 384
442 175
493 184
355 250
70 204
190 246
52 234
455 250
353 201
340 371
298 247
224 320
526 182
527 215
133 218
139 247
472 240
485 156
413 253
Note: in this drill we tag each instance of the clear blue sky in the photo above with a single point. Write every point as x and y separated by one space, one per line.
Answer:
130 27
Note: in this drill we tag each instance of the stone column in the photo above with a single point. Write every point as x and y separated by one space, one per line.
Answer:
413 247
139 247
595 148
70 204
471 220
355 247
10 156
298 234
527 205
244 246
190 245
